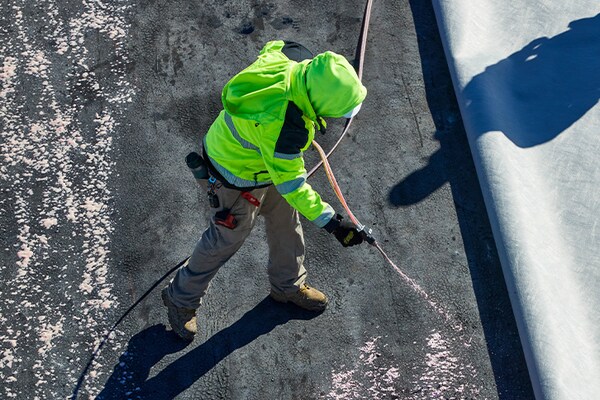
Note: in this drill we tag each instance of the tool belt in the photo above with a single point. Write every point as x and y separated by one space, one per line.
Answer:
213 172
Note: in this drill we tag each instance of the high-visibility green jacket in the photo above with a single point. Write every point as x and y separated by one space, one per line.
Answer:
271 111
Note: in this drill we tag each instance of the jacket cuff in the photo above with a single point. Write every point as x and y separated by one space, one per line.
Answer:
325 217
333 224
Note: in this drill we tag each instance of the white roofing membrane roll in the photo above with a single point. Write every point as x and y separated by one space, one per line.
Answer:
527 78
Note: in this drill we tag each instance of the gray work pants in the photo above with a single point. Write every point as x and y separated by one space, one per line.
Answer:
218 243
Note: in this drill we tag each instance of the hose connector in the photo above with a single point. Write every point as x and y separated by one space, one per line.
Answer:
367 234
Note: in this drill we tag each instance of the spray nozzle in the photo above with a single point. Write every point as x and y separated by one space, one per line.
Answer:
367 234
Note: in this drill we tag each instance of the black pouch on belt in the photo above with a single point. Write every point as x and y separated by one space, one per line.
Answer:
213 199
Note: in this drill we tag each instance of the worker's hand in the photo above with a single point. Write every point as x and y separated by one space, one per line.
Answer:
344 231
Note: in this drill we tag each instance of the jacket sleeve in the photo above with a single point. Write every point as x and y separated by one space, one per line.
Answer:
282 155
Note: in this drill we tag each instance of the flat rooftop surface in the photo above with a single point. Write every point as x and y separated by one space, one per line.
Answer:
100 103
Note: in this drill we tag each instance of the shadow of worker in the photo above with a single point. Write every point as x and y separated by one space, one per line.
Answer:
178 376
535 94
143 351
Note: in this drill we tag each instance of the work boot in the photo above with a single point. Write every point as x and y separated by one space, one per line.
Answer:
182 320
306 297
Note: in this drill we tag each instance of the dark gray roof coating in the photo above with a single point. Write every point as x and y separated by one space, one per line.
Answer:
100 103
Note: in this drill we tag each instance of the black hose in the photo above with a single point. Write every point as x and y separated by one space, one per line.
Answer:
112 329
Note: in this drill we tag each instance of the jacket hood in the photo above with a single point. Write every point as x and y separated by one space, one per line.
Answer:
326 86
333 86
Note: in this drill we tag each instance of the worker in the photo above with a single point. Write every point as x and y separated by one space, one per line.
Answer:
254 152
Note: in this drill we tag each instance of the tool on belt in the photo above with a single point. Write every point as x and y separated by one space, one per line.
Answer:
225 217
200 170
